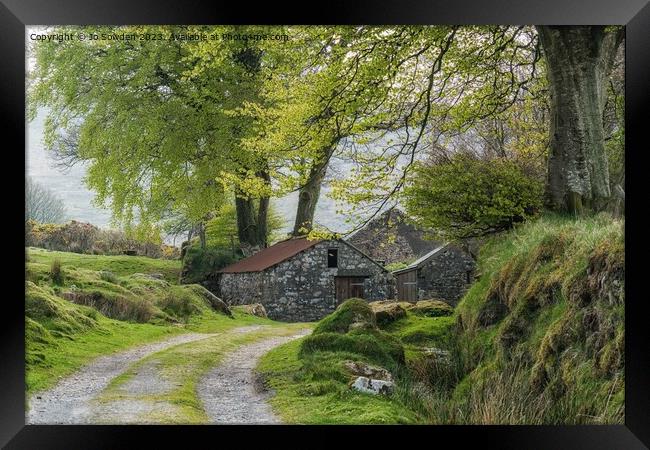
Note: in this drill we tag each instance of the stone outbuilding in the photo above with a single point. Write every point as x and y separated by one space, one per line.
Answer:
444 273
302 280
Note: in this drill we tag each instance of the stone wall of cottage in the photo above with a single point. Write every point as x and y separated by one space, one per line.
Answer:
446 276
303 288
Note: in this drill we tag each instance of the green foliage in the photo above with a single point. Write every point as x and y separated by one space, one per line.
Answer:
221 230
466 196
200 264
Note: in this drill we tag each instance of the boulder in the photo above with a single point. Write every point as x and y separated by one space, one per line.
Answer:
371 386
359 368
387 312
215 302
254 309
432 308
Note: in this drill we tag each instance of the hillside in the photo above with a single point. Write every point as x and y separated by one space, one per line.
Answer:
94 305
538 339
119 264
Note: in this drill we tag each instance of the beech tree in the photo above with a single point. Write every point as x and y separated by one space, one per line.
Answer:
579 60
154 123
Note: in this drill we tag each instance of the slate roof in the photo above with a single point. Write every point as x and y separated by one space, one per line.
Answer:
421 260
270 256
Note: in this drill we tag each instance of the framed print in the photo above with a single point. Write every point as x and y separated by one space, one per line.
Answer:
393 214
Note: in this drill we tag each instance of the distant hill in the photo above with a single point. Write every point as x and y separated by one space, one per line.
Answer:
389 238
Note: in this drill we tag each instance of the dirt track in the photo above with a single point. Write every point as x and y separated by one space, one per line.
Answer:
228 391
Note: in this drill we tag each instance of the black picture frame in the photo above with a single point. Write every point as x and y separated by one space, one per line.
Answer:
634 14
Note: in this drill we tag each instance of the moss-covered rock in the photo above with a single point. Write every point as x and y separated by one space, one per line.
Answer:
354 313
254 309
432 308
387 312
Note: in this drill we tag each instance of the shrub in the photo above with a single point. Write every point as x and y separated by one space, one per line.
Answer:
79 237
466 196
56 272
118 307
199 264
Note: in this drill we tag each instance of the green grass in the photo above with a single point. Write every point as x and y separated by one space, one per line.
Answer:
119 265
52 354
555 355
113 309
551 353
183 366
312 385
315 390
422 331
50 357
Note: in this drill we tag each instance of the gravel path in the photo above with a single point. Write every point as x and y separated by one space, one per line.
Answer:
228 391
69 402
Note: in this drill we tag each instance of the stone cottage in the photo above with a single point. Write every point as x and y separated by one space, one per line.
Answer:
391 238
444 273
302 280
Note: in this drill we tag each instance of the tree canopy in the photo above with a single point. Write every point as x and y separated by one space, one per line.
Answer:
183 128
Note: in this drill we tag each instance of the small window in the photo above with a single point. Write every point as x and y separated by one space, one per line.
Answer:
332 257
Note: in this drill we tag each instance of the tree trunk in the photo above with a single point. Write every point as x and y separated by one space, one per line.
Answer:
246 223
309 193
263 214
579 59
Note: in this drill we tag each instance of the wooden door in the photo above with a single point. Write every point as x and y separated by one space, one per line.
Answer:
349 287
407 286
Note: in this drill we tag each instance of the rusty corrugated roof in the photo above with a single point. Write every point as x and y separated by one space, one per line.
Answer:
270 256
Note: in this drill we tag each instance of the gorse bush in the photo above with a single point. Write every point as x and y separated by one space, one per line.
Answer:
467 196
79 237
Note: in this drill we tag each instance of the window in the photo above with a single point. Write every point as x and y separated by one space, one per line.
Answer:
332 257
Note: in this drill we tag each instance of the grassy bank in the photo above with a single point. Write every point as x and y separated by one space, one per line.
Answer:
94 305
311 380
542 332
538 339
119 265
